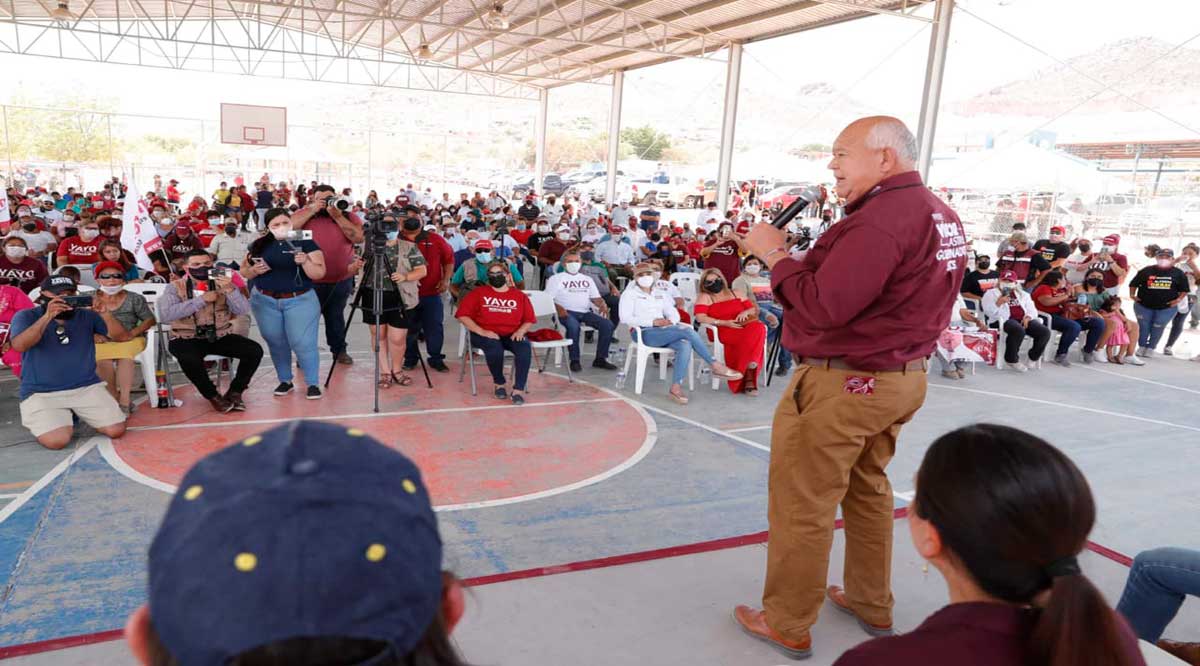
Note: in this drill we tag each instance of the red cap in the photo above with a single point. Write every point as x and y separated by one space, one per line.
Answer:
743 227
1058 230
1008 276
1112 239
484 244
106 265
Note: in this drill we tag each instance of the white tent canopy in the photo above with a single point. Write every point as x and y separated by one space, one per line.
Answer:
1021 166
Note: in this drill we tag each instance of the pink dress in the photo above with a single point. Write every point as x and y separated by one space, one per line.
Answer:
1119 337
12 301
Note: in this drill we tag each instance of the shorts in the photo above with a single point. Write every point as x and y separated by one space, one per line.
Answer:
394 313
43 412
111 351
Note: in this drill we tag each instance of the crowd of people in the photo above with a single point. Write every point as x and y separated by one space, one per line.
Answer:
289 257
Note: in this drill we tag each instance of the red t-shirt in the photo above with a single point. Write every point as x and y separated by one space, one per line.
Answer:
172 194
521 237
338 249
724 258
1046 290
437 253
500 313
1110 278
74 250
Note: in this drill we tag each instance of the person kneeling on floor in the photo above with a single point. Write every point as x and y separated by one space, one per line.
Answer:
498 316
309 544
58 374
574 295
200 309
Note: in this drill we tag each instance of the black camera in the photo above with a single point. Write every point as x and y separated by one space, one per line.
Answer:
341 203
803 238
79 302
376 228
207 332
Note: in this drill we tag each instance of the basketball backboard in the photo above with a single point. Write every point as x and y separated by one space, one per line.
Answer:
254 125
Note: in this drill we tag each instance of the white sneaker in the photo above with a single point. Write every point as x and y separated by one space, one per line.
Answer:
1132 359
1017 367
1099 356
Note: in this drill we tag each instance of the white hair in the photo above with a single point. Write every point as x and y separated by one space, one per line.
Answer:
891 133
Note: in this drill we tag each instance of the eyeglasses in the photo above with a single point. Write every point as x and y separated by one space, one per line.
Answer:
110 276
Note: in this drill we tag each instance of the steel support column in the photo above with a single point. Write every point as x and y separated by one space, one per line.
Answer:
539 141
935 68
614 135
733 78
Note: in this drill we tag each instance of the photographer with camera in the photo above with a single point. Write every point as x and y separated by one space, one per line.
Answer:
335 229
58 375
282 265
428 316
405 267
200 309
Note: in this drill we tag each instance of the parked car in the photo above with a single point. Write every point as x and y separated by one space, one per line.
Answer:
597 187
551 184
1167 217
782 197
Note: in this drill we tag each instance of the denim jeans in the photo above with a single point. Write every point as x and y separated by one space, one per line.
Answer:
1070 329
1157 585
681 338
1176 327
604 331
333 297
493 353
427 319
785 358
1151 324
289 325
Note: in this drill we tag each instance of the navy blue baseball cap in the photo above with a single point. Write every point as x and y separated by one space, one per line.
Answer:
309 529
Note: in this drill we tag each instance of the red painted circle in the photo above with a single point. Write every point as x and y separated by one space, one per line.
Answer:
469 448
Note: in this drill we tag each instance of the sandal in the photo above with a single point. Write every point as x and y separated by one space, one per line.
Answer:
402 379
385 382
727 373
678 397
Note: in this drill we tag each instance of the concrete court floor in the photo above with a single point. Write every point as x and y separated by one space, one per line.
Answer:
1130 429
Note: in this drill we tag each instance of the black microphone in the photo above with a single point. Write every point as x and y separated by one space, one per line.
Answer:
809 195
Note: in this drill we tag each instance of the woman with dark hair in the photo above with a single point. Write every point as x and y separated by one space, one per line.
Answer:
111 250
301 196
1003 516
281 273
736 321
1051 297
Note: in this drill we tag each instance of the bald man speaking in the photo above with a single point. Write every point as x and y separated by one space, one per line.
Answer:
862 312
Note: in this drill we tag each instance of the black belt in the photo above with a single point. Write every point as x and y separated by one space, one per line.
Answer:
838 364
280 295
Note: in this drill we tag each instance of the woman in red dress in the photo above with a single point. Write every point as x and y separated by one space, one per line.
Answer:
737 325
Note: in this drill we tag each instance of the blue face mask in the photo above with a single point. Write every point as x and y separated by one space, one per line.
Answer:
393 235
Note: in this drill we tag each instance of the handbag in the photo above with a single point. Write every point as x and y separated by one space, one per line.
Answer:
1075 311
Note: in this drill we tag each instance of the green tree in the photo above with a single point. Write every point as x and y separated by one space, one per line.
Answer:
648 143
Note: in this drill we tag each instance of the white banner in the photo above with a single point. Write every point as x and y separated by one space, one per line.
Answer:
4 215
138 233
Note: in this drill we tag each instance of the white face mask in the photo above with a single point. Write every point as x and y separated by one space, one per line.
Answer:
484 257
113 289
753 269
563 235
15 252
645 281
1165 263
616 237
572 267
543 229
88 234
1007 286
281 232
1109 248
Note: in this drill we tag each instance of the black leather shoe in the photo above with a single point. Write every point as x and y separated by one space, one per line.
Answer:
220 404
603 364
440 366
235 398
576 366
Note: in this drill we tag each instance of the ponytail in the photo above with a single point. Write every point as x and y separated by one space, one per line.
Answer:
1077 628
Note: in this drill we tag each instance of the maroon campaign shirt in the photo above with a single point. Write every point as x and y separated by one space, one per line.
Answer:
979 634
437 253
878 286
26 275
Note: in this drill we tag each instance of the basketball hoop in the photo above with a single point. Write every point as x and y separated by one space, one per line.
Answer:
254 135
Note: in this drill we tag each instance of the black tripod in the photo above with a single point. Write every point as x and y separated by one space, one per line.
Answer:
379 269
773 354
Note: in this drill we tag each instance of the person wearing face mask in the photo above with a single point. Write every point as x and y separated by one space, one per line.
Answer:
1077 263
592 268
58 366
1114 264
400 301
39 243
978 282
617 254
575 295
451 234
591 233
653 319
529 210
182 241
1186 263
722 253
737 324
551 250
114 359
229 247
18 268
1009 308
472 273
1156 291
1054 249
335 232
553 210
12 301
66 221
754 286
498 316
81 249
427 319
286 307
1051 297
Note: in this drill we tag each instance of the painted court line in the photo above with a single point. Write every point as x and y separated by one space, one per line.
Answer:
716 431
11 508
749 429
1055 403
1140 379
371 415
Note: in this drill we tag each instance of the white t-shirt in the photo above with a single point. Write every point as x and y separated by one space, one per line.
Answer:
620 217
669 288
37 241
705 218
573 293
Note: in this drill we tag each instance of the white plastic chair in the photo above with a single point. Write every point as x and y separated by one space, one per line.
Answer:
718 349
543 306
1002 343
641 353
87 274
148 359
689 288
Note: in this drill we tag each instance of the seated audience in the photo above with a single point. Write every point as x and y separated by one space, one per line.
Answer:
1003 517
18 267
473 273
287 310
111 251
575 294
1052 297
1026 262
229 247
114 359
978 281
738 327
498 316
1010 309
58 366
1158 583
371 578
1156 290
81 249
604 284
12 301
182 240
200 310
961 317
654 321
769 312
1120 341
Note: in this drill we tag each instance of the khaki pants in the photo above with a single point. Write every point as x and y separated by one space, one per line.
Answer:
829 446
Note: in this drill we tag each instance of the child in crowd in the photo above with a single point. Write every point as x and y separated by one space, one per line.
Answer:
1119 344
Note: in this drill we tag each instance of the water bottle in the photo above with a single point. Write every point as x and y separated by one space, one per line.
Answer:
160 379
620 368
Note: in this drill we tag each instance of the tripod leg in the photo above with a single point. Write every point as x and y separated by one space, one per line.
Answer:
421 360
357 301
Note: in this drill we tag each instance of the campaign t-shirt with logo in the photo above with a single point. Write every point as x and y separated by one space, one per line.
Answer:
1105 263
1052 251
500 313
74 250
179 246
59 362
724 258
27 274
573 293
979 282
1025 264
1156 287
